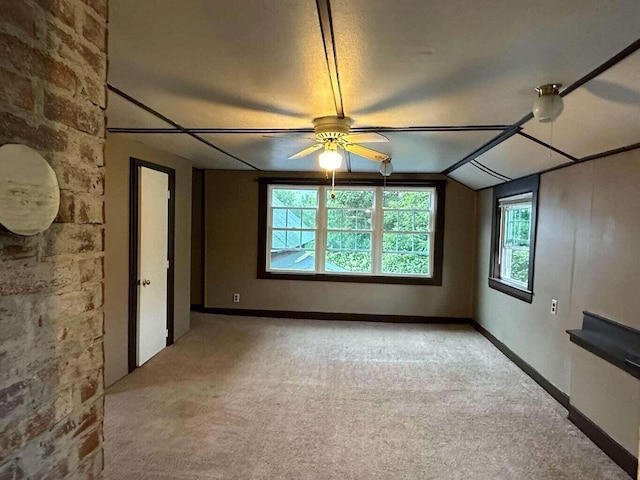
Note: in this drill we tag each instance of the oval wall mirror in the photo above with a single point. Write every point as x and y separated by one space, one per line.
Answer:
29 191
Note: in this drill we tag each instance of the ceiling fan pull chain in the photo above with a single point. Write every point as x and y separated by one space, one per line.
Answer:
551 140
333 184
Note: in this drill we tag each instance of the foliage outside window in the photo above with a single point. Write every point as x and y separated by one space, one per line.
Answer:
514 237
359 232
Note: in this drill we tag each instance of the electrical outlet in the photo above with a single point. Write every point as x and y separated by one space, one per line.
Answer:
554 307
236 298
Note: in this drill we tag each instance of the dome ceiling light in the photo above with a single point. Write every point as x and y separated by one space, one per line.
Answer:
549 104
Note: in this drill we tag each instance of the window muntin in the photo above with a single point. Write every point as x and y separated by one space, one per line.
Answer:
515 239
370 231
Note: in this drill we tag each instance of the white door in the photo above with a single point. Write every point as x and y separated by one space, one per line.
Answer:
153 248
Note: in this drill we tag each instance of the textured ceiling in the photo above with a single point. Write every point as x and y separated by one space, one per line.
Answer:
261 64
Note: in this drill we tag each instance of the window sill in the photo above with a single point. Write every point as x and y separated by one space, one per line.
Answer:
323 277
524 295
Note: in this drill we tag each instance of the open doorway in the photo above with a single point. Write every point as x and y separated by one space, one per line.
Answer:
151 260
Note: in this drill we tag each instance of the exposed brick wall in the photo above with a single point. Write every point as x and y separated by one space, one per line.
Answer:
52 97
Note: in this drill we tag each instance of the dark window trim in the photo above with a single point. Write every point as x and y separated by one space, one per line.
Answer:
528 184
436 279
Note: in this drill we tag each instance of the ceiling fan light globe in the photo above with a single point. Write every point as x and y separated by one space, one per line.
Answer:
330 160
548 107
386 169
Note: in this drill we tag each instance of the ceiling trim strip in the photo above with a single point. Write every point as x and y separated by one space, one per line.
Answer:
574 86
329 41
179 127
257 131
617 58
490 171
608 153
485 148
546 145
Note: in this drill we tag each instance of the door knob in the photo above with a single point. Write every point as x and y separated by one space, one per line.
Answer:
146 282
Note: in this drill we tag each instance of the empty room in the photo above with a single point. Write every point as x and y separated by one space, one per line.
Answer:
319 239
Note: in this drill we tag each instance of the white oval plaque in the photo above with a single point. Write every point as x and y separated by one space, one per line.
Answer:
29 192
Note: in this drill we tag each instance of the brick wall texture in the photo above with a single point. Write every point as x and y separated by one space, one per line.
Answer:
53 66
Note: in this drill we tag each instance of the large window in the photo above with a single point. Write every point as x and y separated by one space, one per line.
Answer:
513 245
365 232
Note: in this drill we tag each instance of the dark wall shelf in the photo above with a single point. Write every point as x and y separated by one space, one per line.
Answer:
611 341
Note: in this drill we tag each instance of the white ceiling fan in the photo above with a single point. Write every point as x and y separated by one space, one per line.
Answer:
332 133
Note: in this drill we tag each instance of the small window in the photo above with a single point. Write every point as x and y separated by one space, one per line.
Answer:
358 232
513 245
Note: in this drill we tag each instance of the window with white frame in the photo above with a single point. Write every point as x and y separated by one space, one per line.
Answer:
353 231
513 237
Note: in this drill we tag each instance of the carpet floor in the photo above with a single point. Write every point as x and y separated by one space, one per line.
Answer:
254 398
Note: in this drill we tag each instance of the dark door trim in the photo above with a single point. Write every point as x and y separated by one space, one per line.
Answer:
134 184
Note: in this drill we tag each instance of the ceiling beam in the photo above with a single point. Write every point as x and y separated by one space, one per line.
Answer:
265 131
177 127
329 41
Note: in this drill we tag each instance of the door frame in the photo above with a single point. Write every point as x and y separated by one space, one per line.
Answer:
134 186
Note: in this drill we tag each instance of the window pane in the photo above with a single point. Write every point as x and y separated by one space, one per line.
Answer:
343 219
288 239
390 220
515 265
294 218
288 197
298 260
405 243
517 225
309 218
348 241
406 199
417 264
350 199
292 250
405 221
421 221
348 261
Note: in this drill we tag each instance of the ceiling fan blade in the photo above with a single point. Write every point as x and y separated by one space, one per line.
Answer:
306 151
369 137
289 135
366 152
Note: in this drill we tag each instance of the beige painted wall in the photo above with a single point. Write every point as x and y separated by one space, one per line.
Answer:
587 258
231 261
119 150
197 264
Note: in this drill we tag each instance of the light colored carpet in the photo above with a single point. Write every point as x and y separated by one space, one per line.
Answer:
248 398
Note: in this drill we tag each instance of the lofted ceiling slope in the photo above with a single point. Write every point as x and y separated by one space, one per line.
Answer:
252 75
